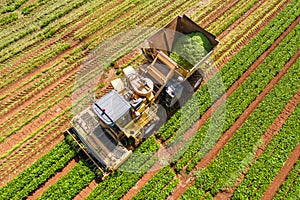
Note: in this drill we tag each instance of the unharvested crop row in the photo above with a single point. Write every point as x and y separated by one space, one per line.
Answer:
153 188
33 142
70 184
291 185
230 73
239 152
117 184
238 101
263 172
31 178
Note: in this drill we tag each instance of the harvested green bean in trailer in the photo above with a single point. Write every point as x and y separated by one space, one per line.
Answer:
114 125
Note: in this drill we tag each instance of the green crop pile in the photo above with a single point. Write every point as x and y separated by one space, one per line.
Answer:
190 49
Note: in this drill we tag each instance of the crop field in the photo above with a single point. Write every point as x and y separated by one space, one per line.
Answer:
242 139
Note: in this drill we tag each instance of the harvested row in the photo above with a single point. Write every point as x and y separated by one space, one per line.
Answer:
22 142
230 15
256 47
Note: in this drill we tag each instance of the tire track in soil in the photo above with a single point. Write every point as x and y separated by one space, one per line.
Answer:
206 160
37 193
267 137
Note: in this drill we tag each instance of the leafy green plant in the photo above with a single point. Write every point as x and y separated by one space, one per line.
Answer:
291 184
71 184
42 169
190 49
8 19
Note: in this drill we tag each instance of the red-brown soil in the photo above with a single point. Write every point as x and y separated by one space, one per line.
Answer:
267 137
281 176
230 132
145 178
86 191
201 121
52 180
212 16
246 40
40 151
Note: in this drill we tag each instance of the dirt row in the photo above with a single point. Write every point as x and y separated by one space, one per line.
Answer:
30 155
43 147
246 40
88 189
91 183
182 186
147 176
281 176
195 127
274 128
52 180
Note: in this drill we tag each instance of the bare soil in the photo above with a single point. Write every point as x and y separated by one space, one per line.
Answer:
86 191
145 178
294 156
179 190
246 40
267 137
281 176
212 16
32 156
52 180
